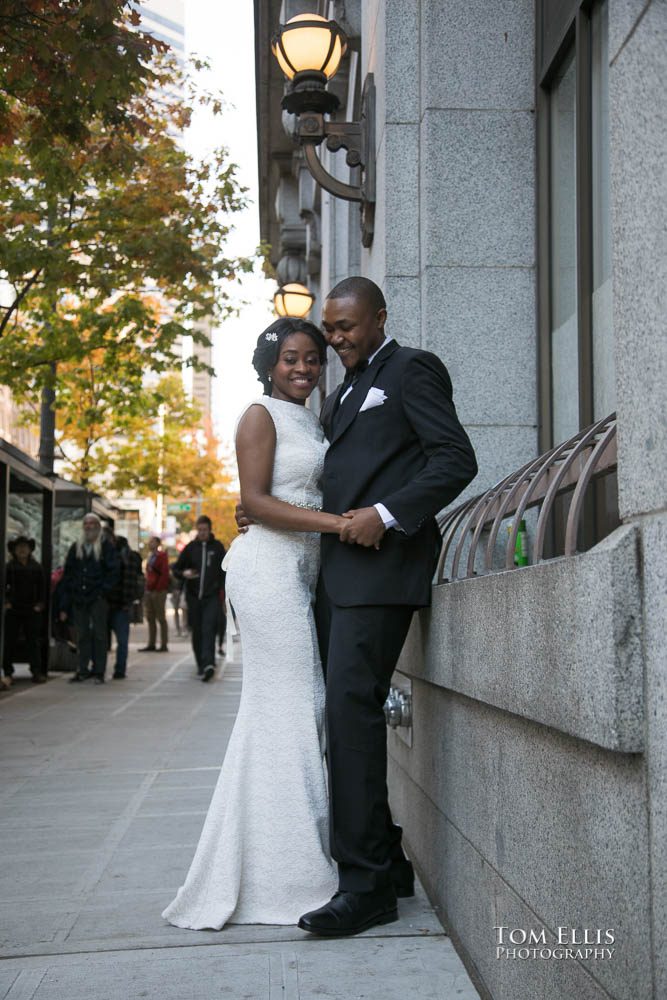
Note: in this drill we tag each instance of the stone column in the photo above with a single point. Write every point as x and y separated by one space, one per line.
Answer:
638 110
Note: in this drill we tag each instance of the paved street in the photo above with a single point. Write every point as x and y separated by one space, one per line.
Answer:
103 793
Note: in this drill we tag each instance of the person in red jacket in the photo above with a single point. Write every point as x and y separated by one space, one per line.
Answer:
155 596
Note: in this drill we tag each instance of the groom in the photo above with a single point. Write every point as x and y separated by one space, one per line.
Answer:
397 455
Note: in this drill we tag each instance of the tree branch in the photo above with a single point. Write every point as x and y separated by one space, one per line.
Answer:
13 308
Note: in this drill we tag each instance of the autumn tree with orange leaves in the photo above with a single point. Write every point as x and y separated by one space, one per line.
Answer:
69 63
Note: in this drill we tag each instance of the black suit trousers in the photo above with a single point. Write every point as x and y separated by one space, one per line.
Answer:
360 647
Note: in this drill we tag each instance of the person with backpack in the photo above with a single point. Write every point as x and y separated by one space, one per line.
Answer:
155 597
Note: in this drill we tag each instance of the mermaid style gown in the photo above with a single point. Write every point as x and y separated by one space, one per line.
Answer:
263 854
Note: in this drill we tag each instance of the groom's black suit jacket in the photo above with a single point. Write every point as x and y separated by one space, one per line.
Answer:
411 454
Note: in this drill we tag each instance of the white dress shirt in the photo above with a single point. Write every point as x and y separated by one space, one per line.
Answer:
388 519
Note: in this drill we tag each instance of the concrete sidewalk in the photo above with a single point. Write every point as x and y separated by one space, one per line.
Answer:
103 793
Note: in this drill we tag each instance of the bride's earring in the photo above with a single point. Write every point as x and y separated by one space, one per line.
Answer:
270 379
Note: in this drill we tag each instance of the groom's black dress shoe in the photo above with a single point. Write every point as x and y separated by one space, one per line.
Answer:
351 912
403 878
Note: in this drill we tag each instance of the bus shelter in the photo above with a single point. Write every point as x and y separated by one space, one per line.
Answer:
26 508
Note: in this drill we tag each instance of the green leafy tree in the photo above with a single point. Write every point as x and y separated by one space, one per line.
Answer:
219 502
88 232
166 451
112 239
147 442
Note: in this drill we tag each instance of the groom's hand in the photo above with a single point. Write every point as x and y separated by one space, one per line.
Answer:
365 527
242 519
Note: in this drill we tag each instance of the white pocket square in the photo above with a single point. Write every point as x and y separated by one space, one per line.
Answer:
375 397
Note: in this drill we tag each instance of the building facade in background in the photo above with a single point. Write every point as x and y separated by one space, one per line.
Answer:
202 381
520 235
12 427
166 20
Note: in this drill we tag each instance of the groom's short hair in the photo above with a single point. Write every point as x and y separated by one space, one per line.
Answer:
359 288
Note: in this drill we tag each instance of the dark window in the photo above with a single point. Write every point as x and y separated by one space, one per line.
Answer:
577 373
576 358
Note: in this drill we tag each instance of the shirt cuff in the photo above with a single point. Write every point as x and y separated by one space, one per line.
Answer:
387 518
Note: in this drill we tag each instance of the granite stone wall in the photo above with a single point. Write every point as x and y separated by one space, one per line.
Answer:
534 793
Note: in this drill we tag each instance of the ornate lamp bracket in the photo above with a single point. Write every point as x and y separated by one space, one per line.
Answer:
358 139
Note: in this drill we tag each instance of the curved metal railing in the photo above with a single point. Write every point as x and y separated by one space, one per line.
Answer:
568 466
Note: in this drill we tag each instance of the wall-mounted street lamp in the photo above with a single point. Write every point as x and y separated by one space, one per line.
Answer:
309 50
293 299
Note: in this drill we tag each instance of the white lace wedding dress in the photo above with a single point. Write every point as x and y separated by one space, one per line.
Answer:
263 855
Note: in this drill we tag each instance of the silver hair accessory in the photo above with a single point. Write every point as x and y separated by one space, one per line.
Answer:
271 336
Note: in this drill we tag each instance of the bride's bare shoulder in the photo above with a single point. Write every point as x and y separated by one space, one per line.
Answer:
255 423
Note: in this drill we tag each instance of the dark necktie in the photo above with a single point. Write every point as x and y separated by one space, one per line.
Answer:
352 376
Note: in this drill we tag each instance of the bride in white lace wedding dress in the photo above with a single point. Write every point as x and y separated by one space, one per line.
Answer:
263 855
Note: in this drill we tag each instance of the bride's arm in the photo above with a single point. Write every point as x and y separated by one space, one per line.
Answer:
255 451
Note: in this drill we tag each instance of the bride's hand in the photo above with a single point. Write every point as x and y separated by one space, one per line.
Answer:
242 519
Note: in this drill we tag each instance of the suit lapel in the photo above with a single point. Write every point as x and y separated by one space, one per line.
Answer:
353 402
327 411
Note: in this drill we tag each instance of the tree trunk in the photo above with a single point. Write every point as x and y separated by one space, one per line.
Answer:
47 424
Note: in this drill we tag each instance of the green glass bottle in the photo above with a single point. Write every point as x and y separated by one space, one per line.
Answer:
521 544
521 549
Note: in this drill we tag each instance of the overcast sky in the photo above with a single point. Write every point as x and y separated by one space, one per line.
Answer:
224 33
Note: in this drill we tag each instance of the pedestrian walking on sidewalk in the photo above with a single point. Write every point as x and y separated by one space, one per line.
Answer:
200 565
121 598
155 596
25 600
92 570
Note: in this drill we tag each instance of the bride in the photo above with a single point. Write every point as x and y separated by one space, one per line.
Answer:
263 855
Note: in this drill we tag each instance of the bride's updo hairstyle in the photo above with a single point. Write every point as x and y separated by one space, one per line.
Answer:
271 341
